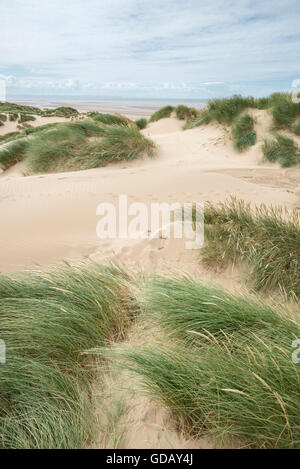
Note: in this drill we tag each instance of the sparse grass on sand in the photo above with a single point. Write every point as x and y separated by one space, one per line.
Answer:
141 123
67 146
48 320
243 132
3 117
267 239
281 149
225 368
162 113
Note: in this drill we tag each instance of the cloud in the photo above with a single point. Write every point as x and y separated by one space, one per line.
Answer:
138 46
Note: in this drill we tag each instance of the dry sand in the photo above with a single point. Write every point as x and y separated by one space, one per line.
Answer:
46 218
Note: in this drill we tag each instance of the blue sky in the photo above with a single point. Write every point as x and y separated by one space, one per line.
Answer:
149 48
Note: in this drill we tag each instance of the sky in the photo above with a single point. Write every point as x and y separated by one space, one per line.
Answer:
149 48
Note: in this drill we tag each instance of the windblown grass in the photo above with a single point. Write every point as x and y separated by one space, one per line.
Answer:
9 137
284 111
228 370
162 113
267 239
141 123
296 127
68 147
48 320
110 119
3 117
14 153
26 118
186 113
243 132
204 117
118 143
40 128
281 149
13 116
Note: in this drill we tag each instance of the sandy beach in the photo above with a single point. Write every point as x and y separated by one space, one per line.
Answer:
49 217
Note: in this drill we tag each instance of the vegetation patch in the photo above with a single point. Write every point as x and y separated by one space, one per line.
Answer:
68 146
282 150
162 113
14 153
26 118
268 240
48 321
185 113
141 123
110 119
225 367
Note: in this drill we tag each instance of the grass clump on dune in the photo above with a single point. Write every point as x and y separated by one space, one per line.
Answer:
243 132
284 111
185 113
9 137
16 108
26 118
13 116
227 371
118 143
3 117
14 153
68 146
161 113
282 150
267 239
141 123
48 320
110 119
296 127
54 148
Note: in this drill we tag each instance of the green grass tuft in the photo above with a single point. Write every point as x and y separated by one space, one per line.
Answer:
268 240
26 118
282 149
48 320
162 113
14 153
225 368
296 127
185 113
141 123
243 132
110 119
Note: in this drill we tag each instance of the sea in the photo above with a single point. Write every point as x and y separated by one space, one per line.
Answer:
130 107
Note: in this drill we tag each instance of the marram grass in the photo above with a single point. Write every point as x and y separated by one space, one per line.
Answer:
68 146
48 320
267 239
225 368
243 132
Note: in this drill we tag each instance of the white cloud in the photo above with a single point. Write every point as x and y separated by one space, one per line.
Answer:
141 45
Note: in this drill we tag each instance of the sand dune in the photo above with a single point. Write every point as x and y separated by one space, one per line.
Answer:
45 218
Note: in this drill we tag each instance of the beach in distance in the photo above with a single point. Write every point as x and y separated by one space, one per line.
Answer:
133 108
